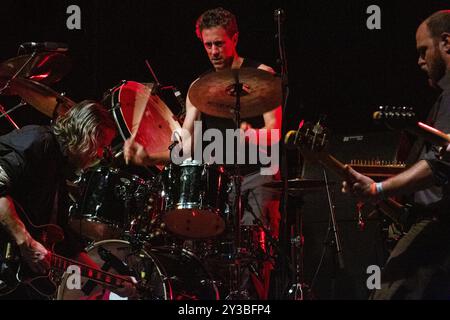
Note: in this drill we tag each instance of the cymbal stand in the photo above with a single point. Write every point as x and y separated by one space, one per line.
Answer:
18 72
297 289
157 86
5 114
2 109
235 269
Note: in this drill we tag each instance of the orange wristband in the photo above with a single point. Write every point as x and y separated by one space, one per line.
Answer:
373 189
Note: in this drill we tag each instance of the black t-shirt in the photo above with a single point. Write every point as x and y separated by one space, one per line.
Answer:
439 117
35 165
222 124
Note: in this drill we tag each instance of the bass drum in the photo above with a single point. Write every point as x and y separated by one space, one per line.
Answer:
166 273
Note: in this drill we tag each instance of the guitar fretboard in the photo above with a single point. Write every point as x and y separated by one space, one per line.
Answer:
62 263
378 168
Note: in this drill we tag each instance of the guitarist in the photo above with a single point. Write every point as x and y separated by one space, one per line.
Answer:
419 265
34 164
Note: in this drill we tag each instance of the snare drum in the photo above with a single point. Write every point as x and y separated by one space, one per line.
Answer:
195 198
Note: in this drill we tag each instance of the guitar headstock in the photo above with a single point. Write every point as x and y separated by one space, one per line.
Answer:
311 139
396 117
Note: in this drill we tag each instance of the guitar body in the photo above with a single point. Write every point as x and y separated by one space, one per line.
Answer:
16 278
18 281
10 265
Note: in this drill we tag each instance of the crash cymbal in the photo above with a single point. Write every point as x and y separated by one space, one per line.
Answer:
45 67
41 97
214 93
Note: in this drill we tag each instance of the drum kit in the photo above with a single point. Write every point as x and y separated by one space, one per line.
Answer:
171 228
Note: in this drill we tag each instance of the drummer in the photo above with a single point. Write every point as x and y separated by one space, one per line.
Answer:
218 31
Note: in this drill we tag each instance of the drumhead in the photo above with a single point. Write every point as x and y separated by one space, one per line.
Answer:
137 111
168 273
92 291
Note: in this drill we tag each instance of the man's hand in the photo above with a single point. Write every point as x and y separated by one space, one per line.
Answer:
135 153
358 185
129 288
34 254
444 153
245 126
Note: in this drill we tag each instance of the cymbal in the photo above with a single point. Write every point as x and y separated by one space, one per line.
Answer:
45 67
41 97
214 93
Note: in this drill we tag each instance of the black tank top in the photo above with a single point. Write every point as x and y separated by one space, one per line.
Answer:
222 124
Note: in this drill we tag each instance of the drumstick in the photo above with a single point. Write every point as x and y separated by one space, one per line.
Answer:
130 141
141 100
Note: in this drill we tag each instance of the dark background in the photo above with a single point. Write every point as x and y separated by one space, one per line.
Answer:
337 67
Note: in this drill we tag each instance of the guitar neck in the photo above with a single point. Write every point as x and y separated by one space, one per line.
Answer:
61 263
334 165
431 134
389 207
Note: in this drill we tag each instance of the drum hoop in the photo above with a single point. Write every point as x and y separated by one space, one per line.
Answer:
116 109
167 285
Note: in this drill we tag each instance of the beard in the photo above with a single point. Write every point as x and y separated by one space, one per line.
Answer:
437 69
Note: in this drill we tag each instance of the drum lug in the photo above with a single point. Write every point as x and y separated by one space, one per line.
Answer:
172 278
209 282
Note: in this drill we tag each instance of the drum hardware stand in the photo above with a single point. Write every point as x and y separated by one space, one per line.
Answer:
110 91
271 240
6 86
18 72
334 227
297 289
6 114
281 281
235 269
157 85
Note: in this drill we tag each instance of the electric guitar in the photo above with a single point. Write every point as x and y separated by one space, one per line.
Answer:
405 118
312 140
14 273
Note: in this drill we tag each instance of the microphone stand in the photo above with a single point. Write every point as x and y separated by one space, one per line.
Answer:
282 262
333 228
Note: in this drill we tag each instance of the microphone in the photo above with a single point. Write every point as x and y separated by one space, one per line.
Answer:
45 46
279 15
